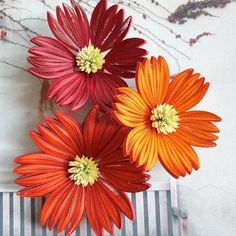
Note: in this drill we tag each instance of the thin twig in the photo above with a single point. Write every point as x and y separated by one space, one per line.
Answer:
13 65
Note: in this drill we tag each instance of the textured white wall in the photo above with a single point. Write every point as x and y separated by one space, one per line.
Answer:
209 194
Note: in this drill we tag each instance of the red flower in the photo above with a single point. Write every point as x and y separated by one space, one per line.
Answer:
80 169
86 60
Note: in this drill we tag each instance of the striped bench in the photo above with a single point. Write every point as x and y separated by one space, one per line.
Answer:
157 214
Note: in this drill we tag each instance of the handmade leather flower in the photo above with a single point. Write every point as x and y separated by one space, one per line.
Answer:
81 170
86 60
162 126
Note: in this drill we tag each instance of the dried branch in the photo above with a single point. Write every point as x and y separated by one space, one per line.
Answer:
193 9
11 64
197 38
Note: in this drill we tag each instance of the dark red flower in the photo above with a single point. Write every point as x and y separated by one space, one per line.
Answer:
87 59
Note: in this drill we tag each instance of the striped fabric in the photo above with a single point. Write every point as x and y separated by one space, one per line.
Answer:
20 216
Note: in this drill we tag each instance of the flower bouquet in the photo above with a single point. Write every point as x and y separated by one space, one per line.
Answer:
84 169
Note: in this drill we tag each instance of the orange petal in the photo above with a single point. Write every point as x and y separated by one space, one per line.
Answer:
195 139
136 100
176 84
127 115
199 115
193 99
195 83
199 125
180 155
167 158
186 90
149 150
141 146
152 80
127 120
152 150
177 157
132 142
187 151
201 134
185 86
195 128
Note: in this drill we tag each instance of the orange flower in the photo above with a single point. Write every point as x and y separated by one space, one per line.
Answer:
80 170
162 126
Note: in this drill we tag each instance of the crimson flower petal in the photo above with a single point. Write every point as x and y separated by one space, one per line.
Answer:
102 89
121 63
108 26
71 26
96 18
70 89
50 58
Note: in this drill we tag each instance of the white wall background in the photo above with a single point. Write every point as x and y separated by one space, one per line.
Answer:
209 194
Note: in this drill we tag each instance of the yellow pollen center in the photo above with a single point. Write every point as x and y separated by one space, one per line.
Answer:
165 118
90 59
83 171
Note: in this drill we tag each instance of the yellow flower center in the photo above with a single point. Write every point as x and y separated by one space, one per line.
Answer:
90 59
83 171
165 118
